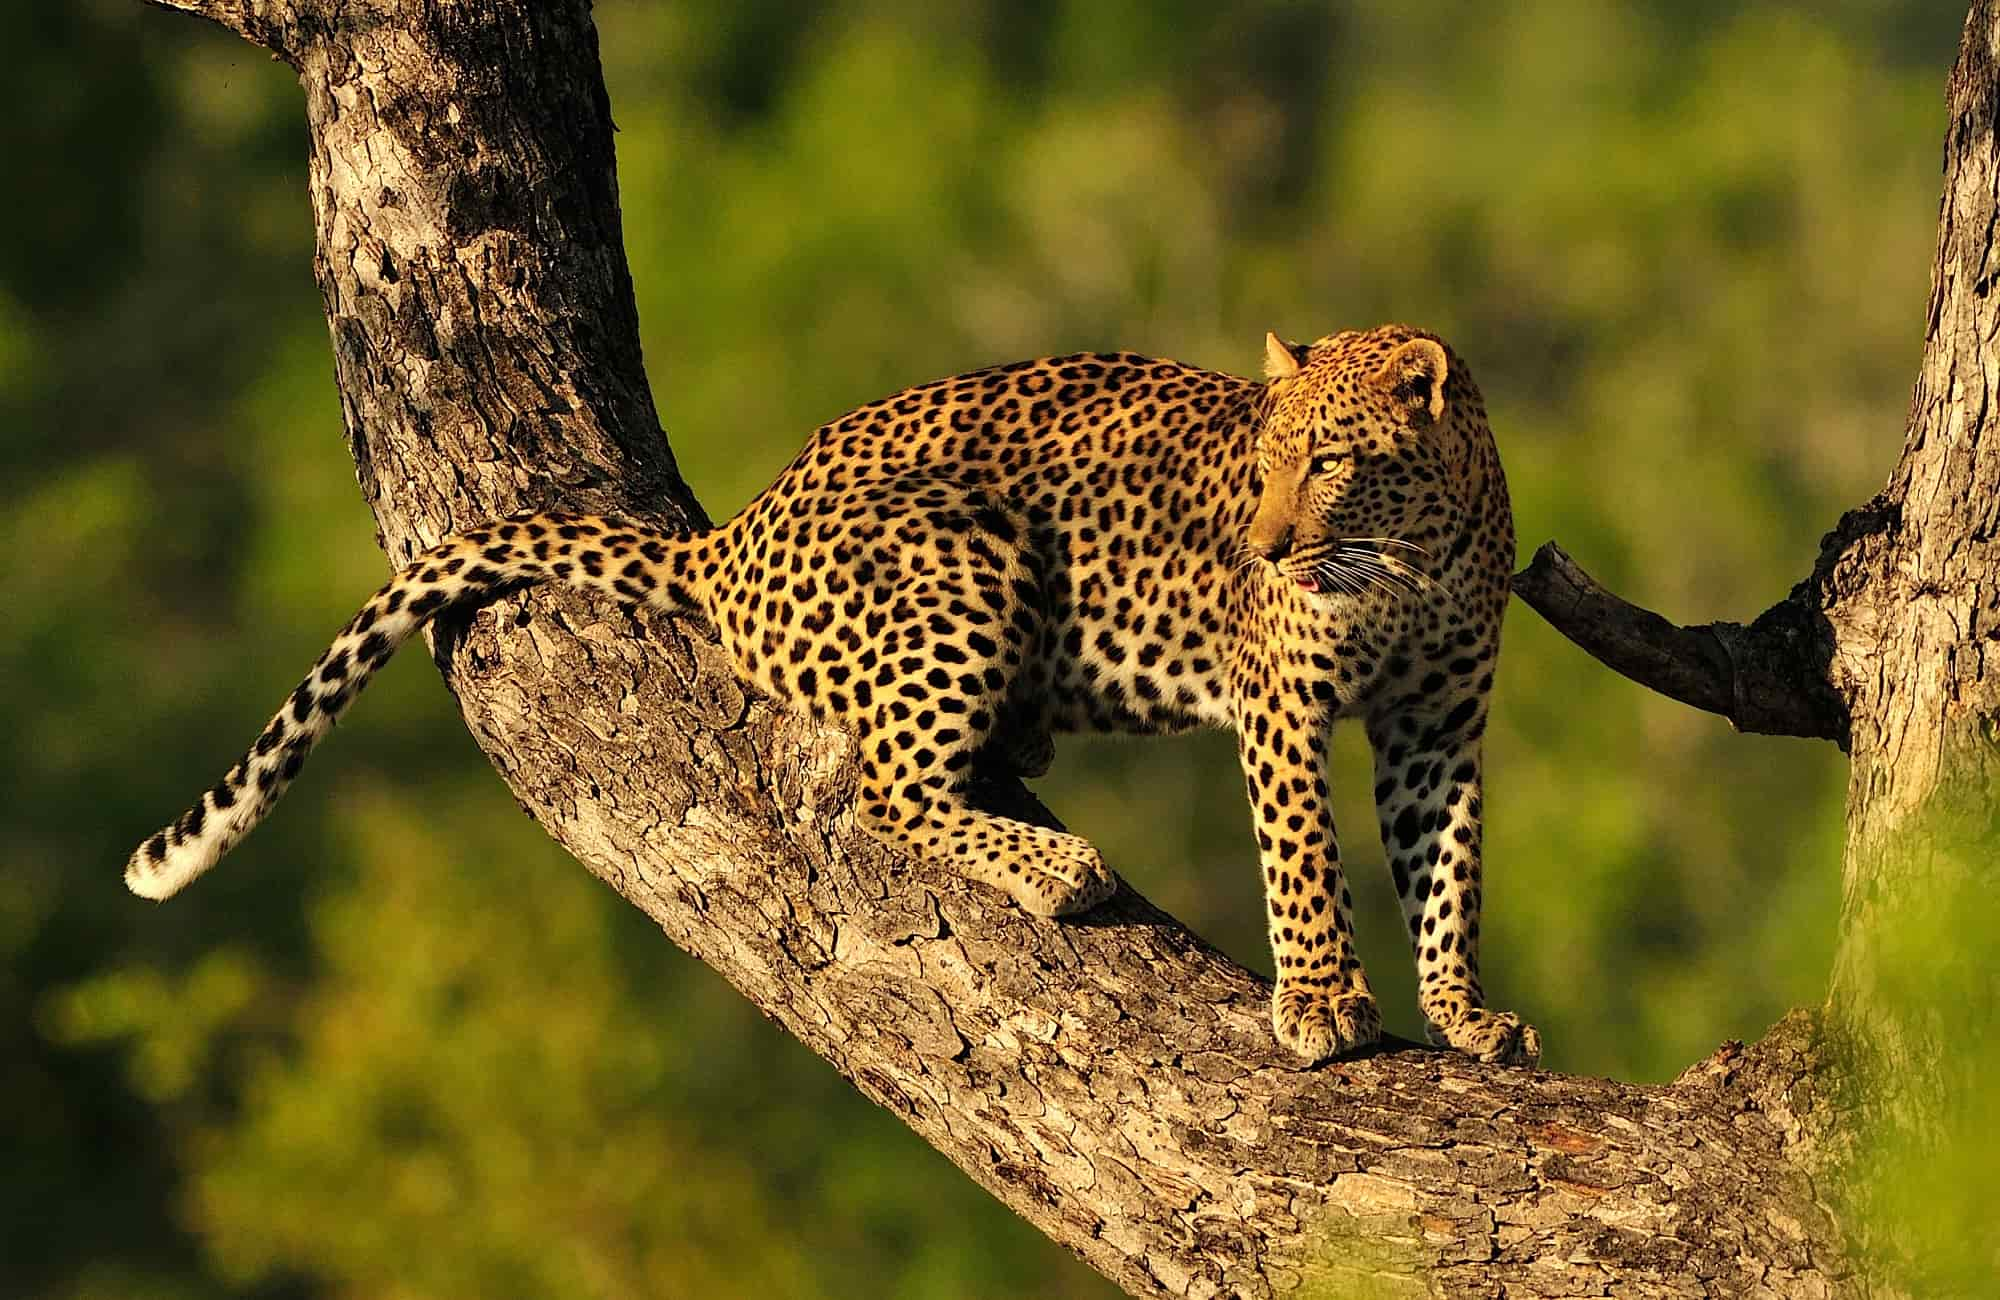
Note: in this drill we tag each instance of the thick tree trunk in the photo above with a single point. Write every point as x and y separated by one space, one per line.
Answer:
1910 585
1113 1080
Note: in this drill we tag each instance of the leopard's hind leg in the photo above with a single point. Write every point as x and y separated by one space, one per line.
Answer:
943 621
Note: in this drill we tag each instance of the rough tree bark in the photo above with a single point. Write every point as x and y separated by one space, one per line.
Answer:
1113 1080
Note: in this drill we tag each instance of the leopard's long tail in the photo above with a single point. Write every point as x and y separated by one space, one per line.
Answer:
626 561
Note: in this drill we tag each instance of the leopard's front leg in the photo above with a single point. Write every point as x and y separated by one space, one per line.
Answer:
1322 1006
1428 795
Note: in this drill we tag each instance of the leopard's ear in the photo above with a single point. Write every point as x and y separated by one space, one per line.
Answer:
1414 375
1281 359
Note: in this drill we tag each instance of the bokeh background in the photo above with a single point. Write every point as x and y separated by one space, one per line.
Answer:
1684 246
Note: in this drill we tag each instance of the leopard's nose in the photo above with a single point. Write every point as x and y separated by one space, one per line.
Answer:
1274 547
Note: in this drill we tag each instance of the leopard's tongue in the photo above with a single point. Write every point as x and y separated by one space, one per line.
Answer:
1307 582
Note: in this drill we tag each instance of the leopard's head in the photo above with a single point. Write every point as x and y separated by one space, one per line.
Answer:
1350 458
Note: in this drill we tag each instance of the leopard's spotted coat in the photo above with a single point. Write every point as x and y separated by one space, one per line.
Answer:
1091 542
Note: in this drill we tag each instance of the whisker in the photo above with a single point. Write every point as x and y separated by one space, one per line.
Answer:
1342 577
1392 569
1412 582
1386 584
1388 541
1404 566
1384 577
1359 566
1428 581
1243 557
1389 563
1337 578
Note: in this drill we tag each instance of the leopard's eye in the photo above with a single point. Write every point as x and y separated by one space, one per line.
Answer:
1325 463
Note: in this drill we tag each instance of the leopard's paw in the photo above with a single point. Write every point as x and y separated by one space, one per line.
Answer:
1315 1024
1066 875
1494 1037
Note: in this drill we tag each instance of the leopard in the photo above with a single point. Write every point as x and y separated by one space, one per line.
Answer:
1092 543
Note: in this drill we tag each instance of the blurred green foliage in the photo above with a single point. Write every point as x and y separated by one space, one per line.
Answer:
403 1047
1917 1084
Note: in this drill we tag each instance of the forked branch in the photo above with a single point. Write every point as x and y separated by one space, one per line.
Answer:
1768 678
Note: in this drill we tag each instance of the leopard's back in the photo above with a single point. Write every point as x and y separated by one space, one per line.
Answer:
1111 466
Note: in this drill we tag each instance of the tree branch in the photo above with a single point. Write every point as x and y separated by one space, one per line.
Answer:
261 22
1769 678
1114 1080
